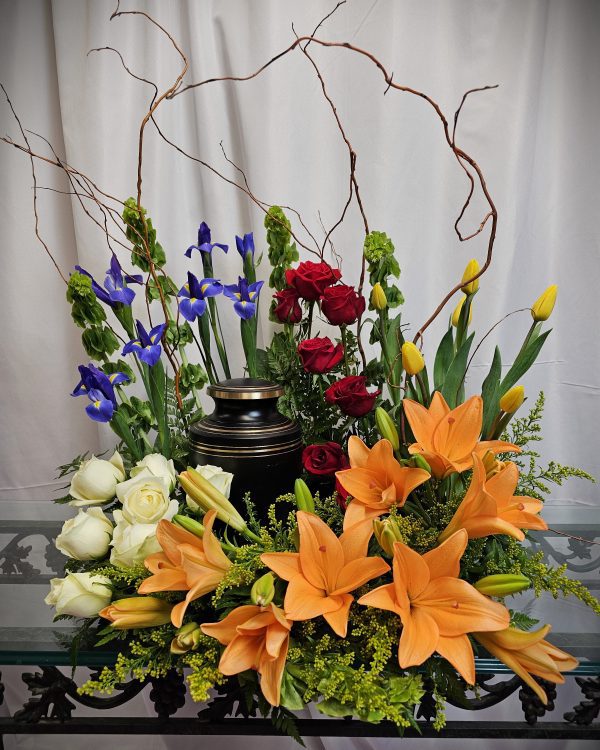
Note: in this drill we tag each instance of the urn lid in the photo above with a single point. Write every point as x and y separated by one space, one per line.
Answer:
245 389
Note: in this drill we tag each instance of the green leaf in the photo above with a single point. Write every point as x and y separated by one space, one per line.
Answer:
290 695
120 426
456 373
489 392
443 358
522 363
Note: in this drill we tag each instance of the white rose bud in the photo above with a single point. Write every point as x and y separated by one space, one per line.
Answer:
85 537
132 542
95 481
220 480
145 499
79 594
158 466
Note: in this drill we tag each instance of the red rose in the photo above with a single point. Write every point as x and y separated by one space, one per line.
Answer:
341 305
320 355
341 494
324 458
351 395
287 309
311 279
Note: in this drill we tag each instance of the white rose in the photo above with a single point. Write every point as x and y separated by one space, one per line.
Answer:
132 542
145 499
158 466
220 480
79 594
95 481
85 537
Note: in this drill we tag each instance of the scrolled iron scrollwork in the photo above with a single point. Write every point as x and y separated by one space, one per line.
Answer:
585 712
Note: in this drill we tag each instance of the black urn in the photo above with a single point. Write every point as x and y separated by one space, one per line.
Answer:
248 437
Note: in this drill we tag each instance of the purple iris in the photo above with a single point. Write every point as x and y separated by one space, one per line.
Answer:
114 291
194 295
245 296
204 243
99 388
147 345
245 246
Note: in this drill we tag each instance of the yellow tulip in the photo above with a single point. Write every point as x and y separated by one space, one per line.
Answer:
457 310
471 269
137 612
544 304
412 359
512 399
378 298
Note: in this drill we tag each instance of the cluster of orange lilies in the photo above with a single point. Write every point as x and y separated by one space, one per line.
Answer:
436 608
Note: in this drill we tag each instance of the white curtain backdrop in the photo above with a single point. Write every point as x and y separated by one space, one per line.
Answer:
535 137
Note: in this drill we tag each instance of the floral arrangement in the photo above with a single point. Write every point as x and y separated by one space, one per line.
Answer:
406 534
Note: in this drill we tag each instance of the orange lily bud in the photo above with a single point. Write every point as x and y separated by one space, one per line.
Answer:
263 590
186 638
387 534
544 304
512 399
304 498
420 463
456 313
208 498
137 612
387 428
502 584
378 298
471 269
412 359
189 524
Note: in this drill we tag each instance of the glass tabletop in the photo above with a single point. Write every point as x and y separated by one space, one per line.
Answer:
28 560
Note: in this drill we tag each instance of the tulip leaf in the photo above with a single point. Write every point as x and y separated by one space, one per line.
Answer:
456 373
489 391
120 425
443 358
522 363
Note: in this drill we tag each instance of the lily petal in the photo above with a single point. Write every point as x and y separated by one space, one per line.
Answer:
419 638
458 651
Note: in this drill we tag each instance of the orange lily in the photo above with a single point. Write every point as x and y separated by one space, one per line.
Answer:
325 570
187 563
489 507
447 438
376 480
528 653
256 638
137 612
437 608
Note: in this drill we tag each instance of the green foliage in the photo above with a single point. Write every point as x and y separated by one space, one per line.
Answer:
191 375
379 252
142 235
281 253
119 366
166 285
85 308
99 342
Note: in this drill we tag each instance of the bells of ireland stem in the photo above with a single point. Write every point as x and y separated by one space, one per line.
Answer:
544 304
304 498
387 428
502 584
378 298
512 399
471 269
263 590
412 359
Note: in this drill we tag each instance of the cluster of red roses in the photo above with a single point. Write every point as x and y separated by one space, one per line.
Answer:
342 306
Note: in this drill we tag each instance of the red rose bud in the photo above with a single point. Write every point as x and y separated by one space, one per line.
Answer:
287 308
351 395
320 355
311 279
341 305
324 459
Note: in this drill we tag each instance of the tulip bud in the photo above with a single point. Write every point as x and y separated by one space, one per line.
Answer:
304 498
544 304
387 428
412 359
456 313
137 612
263 590
512 399
387 534
189 524
378 298
186 638
502 584
471 269
420 463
